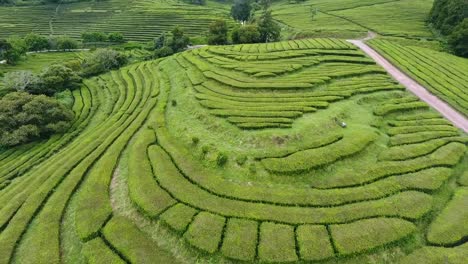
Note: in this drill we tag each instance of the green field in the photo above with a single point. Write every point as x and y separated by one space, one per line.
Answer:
137 20
350 18
235 153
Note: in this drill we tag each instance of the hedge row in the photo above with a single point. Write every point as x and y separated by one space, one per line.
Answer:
406 204
450 226
205 232
368 234
404 152
418 137
135 245
305 160
446 156
240 239
314 242
277 243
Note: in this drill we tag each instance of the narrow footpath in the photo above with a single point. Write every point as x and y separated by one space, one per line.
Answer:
420 91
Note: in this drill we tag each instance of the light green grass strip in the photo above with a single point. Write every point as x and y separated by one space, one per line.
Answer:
352 143
451 225
368 234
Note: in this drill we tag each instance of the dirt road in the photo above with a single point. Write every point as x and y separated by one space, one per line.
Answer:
442 107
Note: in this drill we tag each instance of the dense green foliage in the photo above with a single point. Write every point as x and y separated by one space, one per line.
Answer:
51 80
445 15
218 33
458 40
103 60
26 117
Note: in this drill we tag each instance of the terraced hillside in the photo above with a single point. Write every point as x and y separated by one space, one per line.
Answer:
137 20
443 74
240 153
350 18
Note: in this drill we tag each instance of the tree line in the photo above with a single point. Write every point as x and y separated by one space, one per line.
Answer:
251 29
450 17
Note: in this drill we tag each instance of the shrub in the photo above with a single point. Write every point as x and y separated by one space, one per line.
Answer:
53 79
35 42
93 37
195 140
178 41
221 159
65 43
103 60
246 34
163 52
12 49
116 37
26 117
217 34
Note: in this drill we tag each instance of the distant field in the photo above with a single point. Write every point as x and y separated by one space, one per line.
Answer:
240 153
350 18
137 20
443 74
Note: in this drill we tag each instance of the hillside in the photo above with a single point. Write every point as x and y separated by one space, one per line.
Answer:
243 142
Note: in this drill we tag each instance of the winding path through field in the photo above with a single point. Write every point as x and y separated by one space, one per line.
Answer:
420 91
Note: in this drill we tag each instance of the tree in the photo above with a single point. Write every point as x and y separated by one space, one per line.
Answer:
25 117
57 78
163 52
116 37
65 43
12 49
269 29
178 41
103 60
93 37
36 42
20 80
53 79
160 41
458 40
445 15
218 33
241 10
246 34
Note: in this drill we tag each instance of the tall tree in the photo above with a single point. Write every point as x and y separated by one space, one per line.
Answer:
268 28
241 10
217 34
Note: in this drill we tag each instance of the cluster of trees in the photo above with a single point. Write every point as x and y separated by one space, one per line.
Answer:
31 112
13 48
168 44
25 117
252 29
90 37
451 18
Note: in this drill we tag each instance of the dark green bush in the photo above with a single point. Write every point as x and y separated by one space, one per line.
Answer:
25 117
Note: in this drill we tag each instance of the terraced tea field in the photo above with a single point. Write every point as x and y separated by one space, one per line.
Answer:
350 18
443 74
239 153
137 20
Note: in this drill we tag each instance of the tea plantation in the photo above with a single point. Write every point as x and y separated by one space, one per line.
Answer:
294 151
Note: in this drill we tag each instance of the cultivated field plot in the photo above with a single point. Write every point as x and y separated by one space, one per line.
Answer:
349 18
137 20
239 153
443 74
